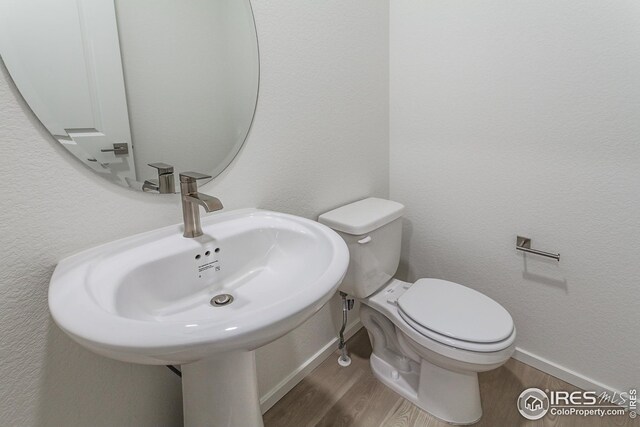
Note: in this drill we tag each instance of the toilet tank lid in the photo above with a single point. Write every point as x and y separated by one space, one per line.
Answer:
363 216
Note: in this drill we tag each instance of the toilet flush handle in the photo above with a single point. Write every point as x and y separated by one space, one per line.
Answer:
365 240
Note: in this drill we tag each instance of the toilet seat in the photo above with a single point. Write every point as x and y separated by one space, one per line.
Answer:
463 345
385 302
456 316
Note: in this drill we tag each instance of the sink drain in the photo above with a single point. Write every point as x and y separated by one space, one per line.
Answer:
220 300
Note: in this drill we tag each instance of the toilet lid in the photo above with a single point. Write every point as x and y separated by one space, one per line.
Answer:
456 311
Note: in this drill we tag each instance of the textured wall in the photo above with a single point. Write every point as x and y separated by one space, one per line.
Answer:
320 139
523 117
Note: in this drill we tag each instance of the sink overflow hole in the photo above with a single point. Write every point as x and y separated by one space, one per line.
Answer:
220 300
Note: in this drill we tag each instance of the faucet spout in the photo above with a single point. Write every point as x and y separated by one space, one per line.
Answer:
209 203
192 199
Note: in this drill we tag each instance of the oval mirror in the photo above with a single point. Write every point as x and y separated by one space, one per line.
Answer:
125 84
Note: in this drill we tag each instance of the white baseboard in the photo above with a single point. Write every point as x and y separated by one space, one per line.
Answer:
562 372
276 393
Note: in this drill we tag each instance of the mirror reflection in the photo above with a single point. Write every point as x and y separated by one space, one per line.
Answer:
128 83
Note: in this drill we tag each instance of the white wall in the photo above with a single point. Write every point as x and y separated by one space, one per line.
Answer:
524 118
320 139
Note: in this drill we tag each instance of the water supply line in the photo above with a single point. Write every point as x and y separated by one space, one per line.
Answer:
347 304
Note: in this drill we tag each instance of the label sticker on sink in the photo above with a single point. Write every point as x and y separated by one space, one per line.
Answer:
208 269
207 261
209 266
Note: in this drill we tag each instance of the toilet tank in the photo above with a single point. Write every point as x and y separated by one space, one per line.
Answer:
372 229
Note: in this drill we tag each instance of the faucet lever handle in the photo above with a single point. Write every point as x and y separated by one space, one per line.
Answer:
189 177
162 167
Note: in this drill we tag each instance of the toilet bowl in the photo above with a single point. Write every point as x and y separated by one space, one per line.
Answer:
429 338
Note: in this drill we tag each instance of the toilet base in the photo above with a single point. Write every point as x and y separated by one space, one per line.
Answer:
451 396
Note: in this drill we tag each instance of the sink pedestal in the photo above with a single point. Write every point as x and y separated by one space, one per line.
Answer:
221 391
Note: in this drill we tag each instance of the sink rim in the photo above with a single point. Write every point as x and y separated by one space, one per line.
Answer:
161 342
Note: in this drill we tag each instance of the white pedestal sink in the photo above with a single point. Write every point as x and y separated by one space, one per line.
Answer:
149 299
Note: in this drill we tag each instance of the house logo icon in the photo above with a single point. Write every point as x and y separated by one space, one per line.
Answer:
533 403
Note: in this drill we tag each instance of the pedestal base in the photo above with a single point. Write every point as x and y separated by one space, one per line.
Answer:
451 396
221 391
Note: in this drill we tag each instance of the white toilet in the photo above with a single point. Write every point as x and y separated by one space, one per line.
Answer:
430 338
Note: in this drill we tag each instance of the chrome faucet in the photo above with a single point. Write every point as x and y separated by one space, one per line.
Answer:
165 183
191 200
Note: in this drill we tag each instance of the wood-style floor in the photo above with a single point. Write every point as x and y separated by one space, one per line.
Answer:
333 396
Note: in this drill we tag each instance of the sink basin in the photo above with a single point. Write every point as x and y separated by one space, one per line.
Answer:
150 299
